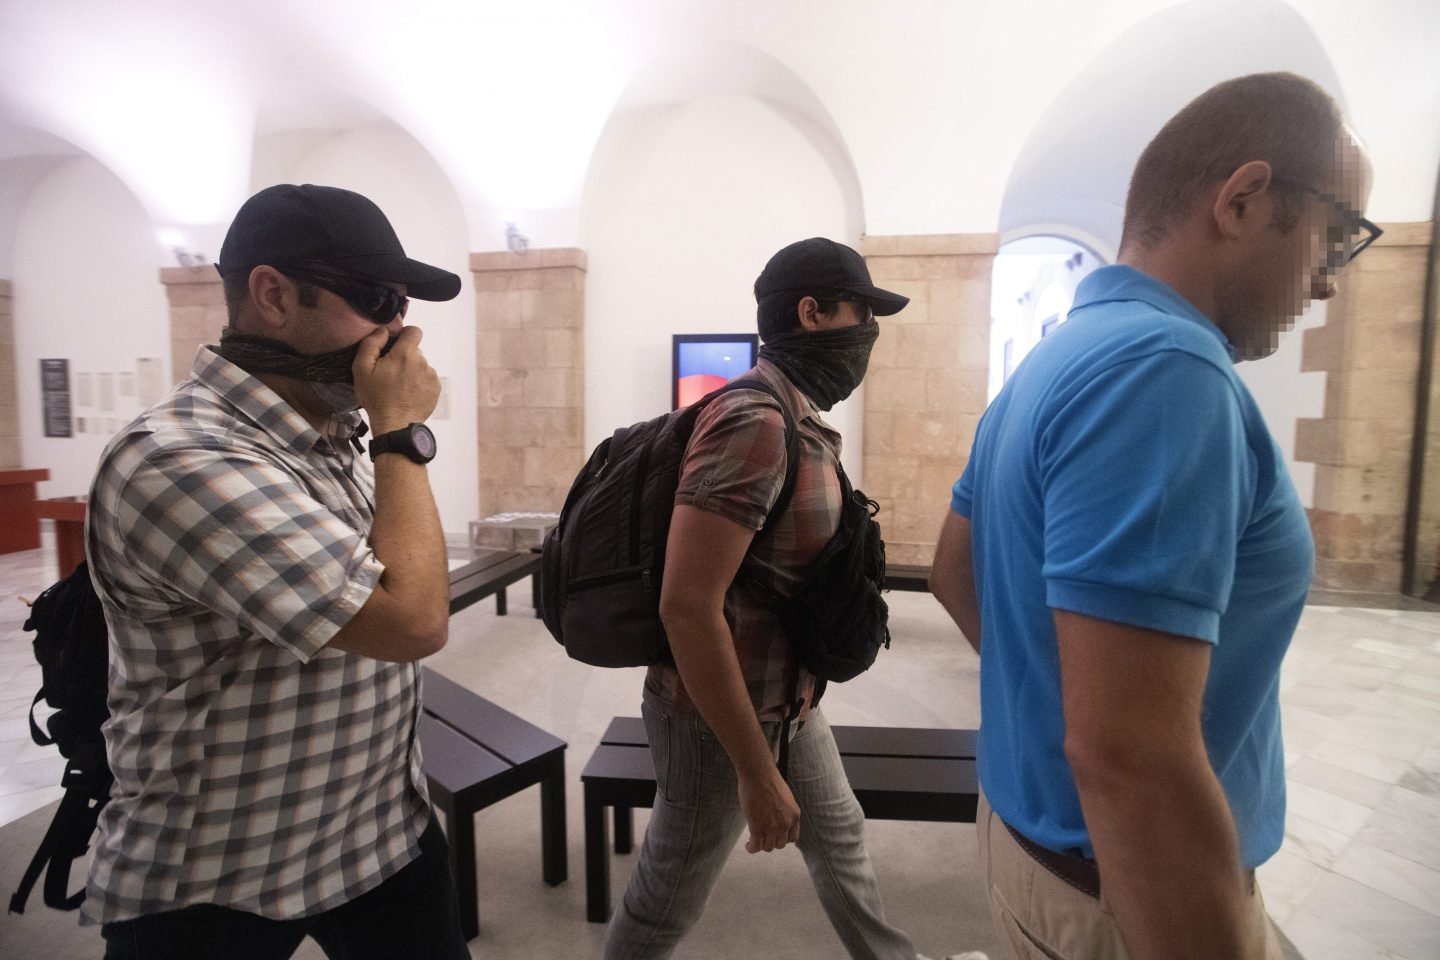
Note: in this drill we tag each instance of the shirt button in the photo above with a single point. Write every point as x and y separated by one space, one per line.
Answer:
709 481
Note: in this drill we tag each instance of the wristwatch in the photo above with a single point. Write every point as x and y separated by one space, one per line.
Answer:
415 441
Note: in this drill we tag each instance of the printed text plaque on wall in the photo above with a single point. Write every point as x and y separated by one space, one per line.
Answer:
55 396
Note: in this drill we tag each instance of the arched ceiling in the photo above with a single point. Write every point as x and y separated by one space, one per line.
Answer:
1073 172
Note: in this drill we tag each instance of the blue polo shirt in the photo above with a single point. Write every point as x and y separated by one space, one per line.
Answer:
1125 473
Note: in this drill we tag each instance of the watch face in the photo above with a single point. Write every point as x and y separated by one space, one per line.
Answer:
424 441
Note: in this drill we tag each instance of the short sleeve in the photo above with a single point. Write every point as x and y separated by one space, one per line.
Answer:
1147 482
962 494
734 465
240 536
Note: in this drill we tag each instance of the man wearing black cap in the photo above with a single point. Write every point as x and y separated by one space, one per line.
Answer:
714 720
268 594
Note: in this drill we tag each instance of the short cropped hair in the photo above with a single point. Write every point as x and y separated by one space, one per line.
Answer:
778 313
237 291
1280 118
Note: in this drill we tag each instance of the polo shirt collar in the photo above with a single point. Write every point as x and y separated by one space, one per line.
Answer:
256 402
1121 282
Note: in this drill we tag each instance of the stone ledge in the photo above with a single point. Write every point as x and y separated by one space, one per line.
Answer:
177 275
931 245
1408 234
529 260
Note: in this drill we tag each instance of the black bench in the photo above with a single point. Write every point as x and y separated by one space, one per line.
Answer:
897 773
491 572
908 576
475 754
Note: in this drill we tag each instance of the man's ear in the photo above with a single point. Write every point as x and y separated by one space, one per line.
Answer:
1242 198
807 311
273 296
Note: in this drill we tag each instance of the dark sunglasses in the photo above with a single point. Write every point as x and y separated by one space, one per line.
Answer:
1354 233
867 316
378 302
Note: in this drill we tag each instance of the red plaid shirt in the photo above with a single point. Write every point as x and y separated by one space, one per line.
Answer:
735 467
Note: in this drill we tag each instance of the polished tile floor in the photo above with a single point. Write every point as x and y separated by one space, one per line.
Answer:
1359 875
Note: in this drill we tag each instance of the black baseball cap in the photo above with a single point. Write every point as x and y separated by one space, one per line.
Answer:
309 227
821 265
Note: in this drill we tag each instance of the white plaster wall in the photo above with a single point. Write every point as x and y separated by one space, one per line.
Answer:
87 288
683 209
388 166
1284 395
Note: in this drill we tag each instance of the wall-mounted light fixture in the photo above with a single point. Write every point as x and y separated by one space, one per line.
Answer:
515 241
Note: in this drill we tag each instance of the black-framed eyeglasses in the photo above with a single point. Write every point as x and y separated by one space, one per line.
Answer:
378 302
1347 241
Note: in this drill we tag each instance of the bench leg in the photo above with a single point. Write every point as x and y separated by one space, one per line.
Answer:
597 860
624 829
535 593
461 829
500 605
555 867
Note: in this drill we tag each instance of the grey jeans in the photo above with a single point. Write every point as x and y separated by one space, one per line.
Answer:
697 821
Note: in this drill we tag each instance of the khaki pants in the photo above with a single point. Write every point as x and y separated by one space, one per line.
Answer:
1038 916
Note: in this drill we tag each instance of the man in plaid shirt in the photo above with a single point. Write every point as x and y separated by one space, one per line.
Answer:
269 593
715 719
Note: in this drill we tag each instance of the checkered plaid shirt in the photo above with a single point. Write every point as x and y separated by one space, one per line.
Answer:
735 467
255 767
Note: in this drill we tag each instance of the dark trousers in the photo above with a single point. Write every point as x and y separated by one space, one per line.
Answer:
411 916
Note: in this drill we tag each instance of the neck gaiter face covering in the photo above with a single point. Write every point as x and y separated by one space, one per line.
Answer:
826 365
331 375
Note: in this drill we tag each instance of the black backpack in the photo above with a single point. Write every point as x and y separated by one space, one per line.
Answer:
601 565
72 646
837 621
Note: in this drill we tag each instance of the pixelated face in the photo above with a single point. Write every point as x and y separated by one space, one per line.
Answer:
1303 263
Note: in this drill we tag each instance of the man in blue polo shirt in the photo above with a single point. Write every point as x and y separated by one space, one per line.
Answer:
1128 544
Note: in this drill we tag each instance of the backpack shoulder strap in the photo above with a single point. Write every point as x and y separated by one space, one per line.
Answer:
792 444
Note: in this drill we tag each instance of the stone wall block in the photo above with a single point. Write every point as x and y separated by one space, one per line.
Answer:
193 322
563 348
498 309
903 551
1322 348
893 390
929 346
892 473
885 269
883 354
1378 490
929 433
917 310
501 465
954 389
553 308
937 479
958 301
551 466
1358 536
500 388
879 435
1357 576
1358 394
520 349
195 294
1318 440
551 388
1387 346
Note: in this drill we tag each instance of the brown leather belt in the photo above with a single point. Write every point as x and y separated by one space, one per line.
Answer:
1080 872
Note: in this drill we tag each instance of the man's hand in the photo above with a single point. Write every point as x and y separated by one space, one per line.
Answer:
770 810
396 389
